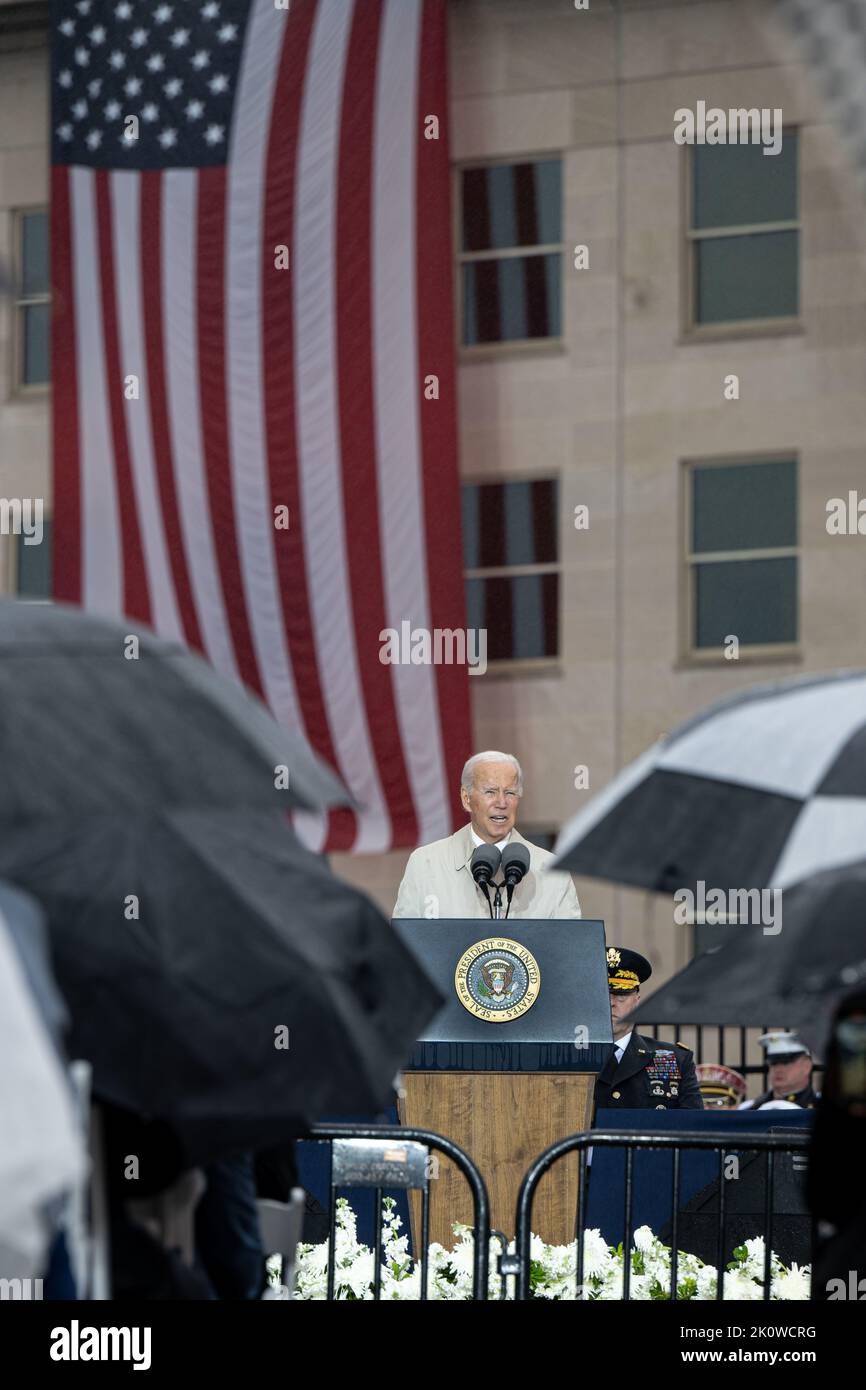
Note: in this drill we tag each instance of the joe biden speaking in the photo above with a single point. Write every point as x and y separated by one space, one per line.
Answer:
439 879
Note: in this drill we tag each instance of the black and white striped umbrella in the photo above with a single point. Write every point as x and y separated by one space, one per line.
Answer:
763 789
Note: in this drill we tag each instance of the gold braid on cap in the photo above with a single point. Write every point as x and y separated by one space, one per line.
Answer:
623 979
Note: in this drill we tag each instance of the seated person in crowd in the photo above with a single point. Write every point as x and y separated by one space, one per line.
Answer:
721 1087
790 1073
438 880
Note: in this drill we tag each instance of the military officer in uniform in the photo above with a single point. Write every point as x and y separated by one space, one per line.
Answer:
790 1066
722 1088
641 1074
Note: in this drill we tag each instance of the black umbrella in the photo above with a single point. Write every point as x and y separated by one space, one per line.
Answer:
792 978
730 984
766 787
824 950
92 722
218 975
737 985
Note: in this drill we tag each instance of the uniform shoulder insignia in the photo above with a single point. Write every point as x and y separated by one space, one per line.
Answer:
682 1045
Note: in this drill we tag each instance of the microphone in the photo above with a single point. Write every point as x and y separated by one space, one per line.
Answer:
515 864
484 864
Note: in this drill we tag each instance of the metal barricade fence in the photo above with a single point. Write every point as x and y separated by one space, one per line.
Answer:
502 1262
733 1143
380 1157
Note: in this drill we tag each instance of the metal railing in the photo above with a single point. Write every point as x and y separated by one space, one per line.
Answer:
381 1157
707 1038
733 1143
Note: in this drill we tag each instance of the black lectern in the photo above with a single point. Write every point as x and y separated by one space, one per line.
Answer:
508 1064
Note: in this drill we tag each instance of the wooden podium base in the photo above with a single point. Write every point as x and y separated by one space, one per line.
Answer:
502 1120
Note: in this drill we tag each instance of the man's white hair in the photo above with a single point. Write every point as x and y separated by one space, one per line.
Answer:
467 776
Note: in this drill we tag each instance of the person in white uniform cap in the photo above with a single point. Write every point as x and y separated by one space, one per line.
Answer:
790 1073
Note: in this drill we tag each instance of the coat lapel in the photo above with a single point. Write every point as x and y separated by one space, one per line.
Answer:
634 1059
462 847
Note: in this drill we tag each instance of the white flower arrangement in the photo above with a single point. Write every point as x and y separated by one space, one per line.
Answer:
552 1273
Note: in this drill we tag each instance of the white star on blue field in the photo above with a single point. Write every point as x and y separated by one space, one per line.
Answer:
172 66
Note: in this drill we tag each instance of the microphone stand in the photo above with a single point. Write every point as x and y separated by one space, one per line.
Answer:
486 891
497 902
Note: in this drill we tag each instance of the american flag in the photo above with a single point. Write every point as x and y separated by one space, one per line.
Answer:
252 284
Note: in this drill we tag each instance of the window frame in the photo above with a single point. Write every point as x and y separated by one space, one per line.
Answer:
691 331
522 665
510 347
689 654
22 301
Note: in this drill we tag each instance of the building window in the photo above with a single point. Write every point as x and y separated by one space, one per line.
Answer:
32 305
744 234
510 236
510 551
742 554
32 566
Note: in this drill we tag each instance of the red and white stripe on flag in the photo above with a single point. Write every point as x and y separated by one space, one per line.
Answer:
262 386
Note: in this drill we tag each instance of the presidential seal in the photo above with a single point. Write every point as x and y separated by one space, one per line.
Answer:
497 979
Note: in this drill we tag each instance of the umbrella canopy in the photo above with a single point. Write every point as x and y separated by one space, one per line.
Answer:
824 935
733 984
730 984
794 978
42 1153
218 975
765 788
738 985
90 722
